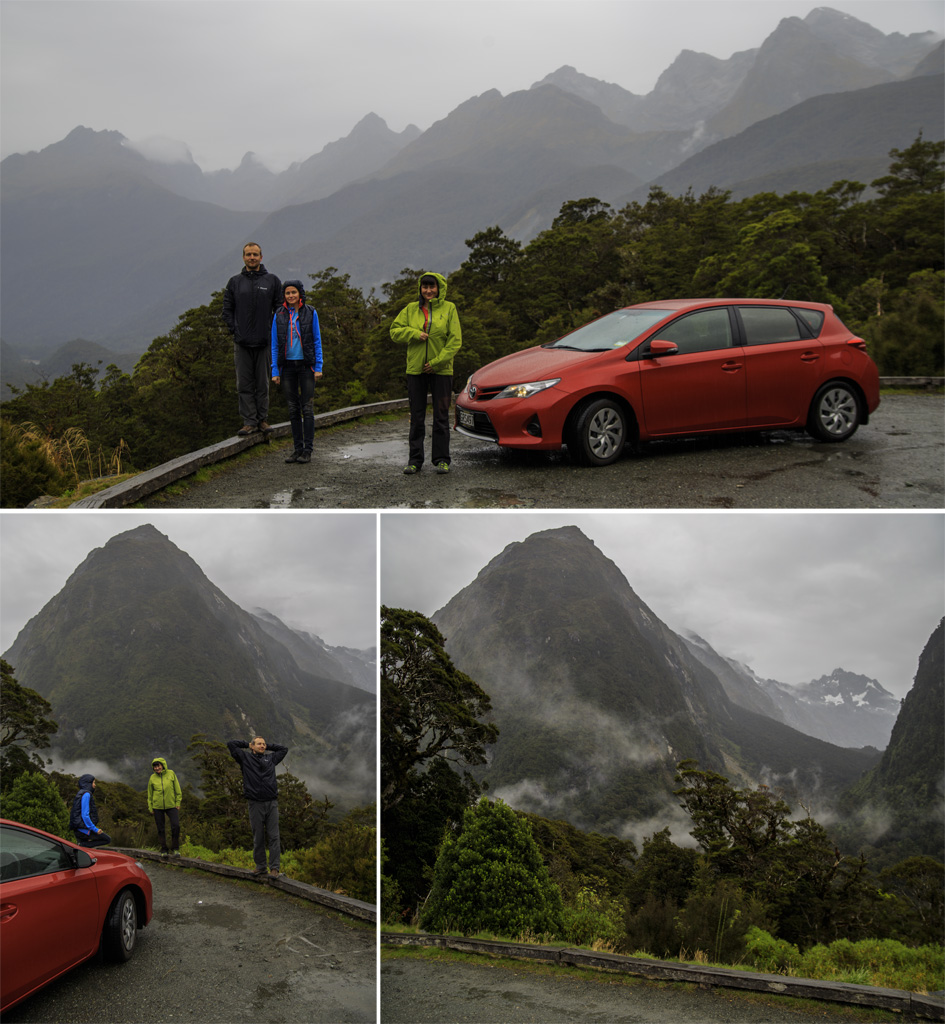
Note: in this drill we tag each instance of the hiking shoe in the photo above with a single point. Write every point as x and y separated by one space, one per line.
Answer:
294 456
275 873
245 431
264 427
442 467
410 470
259 871
304 457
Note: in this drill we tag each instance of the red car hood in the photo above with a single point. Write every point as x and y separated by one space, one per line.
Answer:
530 364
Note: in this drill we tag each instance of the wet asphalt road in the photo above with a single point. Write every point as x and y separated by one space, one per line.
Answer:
221 951
896 461
418 990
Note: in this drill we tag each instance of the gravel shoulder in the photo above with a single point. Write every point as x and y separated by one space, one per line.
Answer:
895 461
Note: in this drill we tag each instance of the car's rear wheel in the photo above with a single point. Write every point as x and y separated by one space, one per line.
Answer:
834 413
599 433
121 928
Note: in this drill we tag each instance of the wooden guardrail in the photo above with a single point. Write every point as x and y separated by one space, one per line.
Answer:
344 904
898 1000
144 484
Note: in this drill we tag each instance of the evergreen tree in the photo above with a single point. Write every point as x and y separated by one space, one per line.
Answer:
35 801
25 726
490 877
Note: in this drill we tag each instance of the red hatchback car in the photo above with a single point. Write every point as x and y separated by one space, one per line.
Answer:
677 368
60 904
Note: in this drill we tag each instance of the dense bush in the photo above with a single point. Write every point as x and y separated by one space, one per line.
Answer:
490 877
33 800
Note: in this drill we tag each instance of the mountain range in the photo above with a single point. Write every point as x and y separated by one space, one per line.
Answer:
597 700
139 651
133 236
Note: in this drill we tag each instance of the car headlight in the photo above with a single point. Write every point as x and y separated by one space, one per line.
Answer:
527 390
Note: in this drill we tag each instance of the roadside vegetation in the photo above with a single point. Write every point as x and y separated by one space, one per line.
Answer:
763 887
878 260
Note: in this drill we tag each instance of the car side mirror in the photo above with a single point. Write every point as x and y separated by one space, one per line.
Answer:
83 860
660 347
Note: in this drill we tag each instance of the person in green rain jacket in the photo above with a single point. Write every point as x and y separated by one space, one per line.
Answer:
164 797
430 329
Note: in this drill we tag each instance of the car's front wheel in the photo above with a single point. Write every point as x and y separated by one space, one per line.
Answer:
598 434
834 413
121 928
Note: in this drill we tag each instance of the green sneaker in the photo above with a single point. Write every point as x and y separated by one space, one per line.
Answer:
442 467
410 470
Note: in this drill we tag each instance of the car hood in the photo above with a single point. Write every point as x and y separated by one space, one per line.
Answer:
530 364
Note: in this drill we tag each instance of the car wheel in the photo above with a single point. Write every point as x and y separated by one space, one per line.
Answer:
834 413
599 433
121 928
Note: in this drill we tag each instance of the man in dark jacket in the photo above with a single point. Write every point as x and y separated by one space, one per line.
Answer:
258 763
83 819
249 301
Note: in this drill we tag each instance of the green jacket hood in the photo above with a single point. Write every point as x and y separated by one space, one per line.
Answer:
160 761
441 281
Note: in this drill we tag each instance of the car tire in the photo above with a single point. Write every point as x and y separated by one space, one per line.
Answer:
834 413
599 433
121 928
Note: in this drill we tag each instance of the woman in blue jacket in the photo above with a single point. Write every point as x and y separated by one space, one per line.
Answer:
297 364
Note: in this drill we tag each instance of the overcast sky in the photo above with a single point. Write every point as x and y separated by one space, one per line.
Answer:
793 595
282 78
315 572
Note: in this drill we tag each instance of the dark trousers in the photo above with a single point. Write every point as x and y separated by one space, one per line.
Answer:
298 387
252 383
441 387
264 818
174 815
91 839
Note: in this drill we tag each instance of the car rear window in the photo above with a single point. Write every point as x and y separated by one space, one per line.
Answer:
768 325
814 318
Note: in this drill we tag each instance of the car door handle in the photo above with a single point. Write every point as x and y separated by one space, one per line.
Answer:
810 357
7 910
731 367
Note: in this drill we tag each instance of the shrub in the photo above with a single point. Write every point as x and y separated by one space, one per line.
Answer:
35 801
771 955
344 862
491 878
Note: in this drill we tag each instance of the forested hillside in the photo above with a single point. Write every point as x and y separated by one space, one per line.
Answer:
878 260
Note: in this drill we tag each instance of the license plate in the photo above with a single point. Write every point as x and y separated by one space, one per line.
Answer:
466 418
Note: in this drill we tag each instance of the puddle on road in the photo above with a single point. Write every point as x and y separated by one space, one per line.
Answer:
386 451
285 499
217 915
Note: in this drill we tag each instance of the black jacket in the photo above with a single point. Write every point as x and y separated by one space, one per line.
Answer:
75 817
259 770
249 301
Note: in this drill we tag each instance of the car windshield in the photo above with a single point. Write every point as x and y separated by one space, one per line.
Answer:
612 331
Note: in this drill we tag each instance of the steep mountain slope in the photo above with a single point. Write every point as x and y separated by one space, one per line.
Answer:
597 700
84 214
822 140
139 651
900 801
844 708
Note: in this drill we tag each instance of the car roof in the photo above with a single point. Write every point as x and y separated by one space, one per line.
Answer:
677 304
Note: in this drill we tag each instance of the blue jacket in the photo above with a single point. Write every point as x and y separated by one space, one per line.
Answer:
296 335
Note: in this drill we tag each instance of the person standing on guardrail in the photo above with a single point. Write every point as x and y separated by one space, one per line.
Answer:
249 300
430 329
258 763
164 797
83 819
297 364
